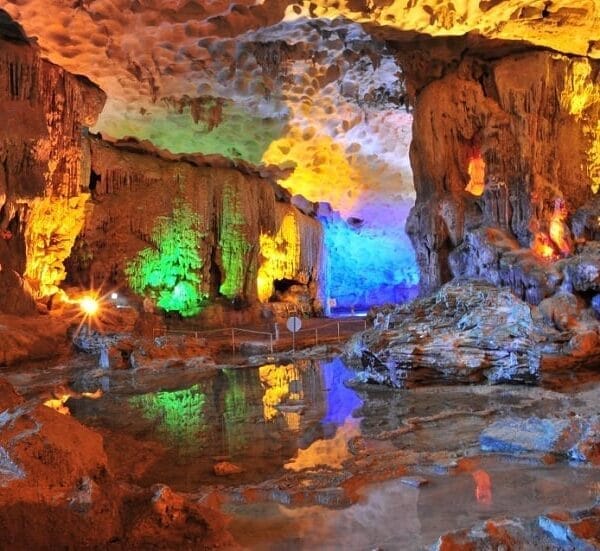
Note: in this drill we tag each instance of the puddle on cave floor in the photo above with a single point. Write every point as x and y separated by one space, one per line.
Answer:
274 421
392 515
266 420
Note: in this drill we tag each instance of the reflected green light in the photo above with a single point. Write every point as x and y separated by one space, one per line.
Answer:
170 272
236 412
179 413
241 134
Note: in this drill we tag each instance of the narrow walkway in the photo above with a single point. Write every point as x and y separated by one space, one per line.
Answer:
313 332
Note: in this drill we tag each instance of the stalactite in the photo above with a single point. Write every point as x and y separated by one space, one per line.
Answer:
234 207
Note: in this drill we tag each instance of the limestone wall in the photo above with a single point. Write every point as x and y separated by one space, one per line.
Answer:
42 112
245 224
79 207
525 124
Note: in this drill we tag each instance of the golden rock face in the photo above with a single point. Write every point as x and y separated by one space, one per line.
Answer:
565 26
54 223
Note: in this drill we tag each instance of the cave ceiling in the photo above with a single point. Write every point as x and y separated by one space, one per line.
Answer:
315 84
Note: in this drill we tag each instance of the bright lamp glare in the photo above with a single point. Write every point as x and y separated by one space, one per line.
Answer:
114 296
89 305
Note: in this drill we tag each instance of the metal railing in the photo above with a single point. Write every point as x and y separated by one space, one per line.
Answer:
321 334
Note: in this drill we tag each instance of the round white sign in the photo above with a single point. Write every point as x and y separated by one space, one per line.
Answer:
294 324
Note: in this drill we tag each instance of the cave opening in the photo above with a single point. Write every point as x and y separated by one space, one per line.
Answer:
94 180
282 286
216 276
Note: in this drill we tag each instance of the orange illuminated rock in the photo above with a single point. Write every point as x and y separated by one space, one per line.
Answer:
224 468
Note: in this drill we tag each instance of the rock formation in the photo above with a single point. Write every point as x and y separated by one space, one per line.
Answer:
530 120
92 206
43 109
66 484
251 238
472 332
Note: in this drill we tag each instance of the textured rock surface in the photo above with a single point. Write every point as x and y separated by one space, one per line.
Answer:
320 85
58 490
56 185
239 211
530 118
31 339
560 531
580 529
468 332
577 438
43 109
323 95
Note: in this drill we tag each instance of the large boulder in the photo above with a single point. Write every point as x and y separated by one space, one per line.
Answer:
493 255
583 270
470 332
31 338
467 332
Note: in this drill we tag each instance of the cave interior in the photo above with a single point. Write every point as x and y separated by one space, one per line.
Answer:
359 242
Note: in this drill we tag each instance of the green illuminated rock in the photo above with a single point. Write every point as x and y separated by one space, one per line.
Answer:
170 272
234 246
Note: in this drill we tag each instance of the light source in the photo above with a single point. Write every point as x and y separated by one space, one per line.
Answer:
89 305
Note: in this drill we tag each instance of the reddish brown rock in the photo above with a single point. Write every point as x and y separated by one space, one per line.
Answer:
8 397
225 468
31 338
62 494
515 113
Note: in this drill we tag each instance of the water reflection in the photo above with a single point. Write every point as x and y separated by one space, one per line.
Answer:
337 424
392 515
281 383
264 419
178 414
483 487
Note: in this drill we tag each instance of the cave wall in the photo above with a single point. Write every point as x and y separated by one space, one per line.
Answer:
74 207
530 118
43 110
250 233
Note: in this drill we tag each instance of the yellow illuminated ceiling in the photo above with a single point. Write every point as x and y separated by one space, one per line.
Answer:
320 161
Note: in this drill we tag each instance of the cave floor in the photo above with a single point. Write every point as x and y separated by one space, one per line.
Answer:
317 462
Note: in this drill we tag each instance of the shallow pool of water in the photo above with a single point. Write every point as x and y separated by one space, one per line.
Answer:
302 436
266 420
395 516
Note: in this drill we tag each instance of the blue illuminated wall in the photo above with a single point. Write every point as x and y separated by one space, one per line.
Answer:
367 266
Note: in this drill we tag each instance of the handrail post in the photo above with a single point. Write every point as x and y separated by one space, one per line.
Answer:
233 339
338 329
271 342
316 337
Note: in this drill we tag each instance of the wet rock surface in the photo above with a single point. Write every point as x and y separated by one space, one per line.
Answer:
471 331
56 486
321 460
574 437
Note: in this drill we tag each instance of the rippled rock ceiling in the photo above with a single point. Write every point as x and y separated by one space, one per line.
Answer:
318 85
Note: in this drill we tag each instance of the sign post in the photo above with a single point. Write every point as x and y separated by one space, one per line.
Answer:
293 325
